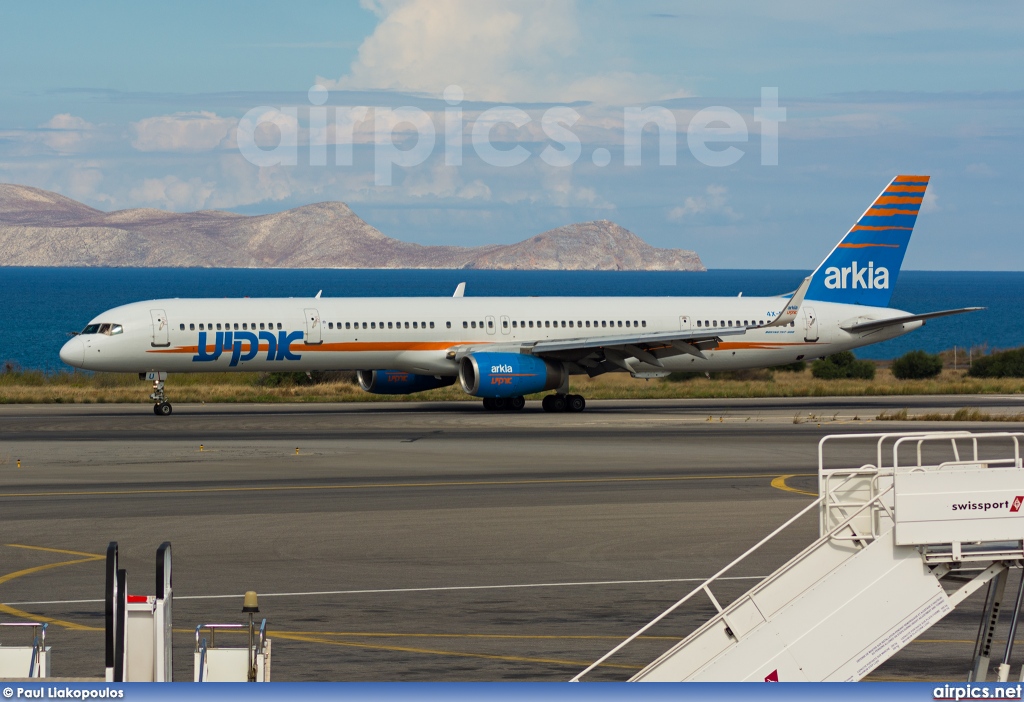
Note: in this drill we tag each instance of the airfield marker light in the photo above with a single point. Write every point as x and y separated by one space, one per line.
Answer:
19 463
250 605
296 450
201 448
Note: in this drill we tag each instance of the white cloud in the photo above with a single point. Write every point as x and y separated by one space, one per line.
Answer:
443 181
66 133
713 201
499 52
930 202
172 193
182 131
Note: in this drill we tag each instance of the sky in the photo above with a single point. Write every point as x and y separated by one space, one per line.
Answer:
489 122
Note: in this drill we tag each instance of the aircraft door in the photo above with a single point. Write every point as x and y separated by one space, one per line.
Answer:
810 324
506 325
313 327
684 322
160 330
490 324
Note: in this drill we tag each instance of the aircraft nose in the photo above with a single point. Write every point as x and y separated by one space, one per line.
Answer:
73 353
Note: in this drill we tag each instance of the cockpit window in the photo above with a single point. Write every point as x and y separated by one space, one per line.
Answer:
108 329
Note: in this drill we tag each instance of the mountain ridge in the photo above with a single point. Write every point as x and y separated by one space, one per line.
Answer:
43 228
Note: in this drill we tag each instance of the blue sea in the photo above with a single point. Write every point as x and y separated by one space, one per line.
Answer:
41 305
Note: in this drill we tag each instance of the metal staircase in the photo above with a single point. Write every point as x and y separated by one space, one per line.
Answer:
891 536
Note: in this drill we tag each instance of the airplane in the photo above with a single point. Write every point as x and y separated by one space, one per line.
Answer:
501 349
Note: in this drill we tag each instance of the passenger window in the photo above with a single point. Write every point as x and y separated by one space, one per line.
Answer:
604 323
432 325
547 324
364 325
504 324
490 324
182 327
373 325
515 324
588 323
465 325
578 323
389 325
531 324
218 326
563 324
406 325
698 324
415 325
620 322
191 327
236 325
279 325
202 326
627 322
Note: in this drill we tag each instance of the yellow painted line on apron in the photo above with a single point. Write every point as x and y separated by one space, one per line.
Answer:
779 483
437 652
374 486
21 614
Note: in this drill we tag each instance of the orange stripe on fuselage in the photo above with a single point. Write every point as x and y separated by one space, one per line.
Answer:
760 345
351 346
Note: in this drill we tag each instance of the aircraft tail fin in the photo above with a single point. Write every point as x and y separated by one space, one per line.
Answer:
863 267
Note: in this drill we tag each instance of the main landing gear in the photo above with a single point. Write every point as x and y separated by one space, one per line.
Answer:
501 404
564 403
161 408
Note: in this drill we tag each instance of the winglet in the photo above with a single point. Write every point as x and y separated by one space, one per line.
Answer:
792 308
460 291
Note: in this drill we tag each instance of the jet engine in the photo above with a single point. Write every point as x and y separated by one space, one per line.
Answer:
394 382
508 374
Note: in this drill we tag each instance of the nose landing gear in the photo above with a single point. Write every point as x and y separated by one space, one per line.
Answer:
161 407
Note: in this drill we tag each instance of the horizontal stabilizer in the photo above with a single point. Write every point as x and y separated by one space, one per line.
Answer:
856 325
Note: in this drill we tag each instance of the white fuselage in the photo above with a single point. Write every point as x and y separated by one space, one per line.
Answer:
416 334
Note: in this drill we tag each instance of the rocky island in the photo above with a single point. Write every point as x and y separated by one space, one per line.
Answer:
42 228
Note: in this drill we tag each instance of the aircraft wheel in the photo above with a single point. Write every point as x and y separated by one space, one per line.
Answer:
517 403
163 409
488 403
554 403
575 403
499 404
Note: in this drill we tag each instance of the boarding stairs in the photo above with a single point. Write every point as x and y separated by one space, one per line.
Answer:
903 541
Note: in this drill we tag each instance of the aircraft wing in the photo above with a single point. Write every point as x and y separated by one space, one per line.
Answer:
600 354
860 324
